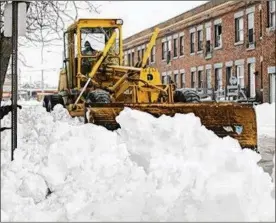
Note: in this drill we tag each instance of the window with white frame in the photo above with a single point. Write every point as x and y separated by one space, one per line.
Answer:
181 45
176 81
239 30
143 52
193 79
199 40
166 48
271 14
125 59
168 77
132 58
175 46
164 78
218 79
139 58
199 79
182 74
218 35
250 28
128 58
152 54
169 42
192 42
209 78
148 59
208 39
240 75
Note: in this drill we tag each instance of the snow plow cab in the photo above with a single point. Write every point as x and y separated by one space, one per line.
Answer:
96 85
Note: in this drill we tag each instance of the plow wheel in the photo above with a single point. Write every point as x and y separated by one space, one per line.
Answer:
185 95
98 96
50 101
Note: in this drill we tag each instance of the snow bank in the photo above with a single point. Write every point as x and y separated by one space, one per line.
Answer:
67 171
266 119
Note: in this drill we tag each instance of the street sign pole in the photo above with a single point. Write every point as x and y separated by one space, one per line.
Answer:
14 77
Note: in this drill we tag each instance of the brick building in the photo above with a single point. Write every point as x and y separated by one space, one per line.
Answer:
213 44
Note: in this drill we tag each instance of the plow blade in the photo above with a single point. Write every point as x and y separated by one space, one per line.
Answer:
224 119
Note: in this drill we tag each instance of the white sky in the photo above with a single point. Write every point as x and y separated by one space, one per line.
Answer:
137 16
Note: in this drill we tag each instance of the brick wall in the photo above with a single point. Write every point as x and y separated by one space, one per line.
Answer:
263 53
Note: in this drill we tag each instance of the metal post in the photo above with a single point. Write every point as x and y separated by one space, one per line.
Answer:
14 77
0 70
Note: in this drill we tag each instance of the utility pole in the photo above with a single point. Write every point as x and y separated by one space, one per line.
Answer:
15 25
14 76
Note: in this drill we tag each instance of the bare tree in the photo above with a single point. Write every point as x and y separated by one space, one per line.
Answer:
45 23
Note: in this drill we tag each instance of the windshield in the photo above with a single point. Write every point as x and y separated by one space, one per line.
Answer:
94 39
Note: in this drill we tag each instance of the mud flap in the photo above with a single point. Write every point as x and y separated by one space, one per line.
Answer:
224 119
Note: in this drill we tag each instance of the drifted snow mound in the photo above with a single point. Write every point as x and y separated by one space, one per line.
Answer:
165 169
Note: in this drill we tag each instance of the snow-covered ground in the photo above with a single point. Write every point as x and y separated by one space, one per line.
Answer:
166 169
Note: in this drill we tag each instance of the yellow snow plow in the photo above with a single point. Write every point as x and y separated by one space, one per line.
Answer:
95 84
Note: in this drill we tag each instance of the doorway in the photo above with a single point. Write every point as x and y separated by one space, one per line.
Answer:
252 82
272 88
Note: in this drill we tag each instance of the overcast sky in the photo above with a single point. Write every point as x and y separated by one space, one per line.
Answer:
137 16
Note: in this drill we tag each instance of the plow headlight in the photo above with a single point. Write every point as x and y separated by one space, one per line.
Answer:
119 22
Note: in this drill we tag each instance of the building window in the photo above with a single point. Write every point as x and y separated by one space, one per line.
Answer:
239 30
218 79
132 58
251 78
271 14
139 55
208 40
182 80
164 79
125 59
192 42
199 79
176 78
181 48
152 55
228 75
218 35
143 52
128 59
175 47
199 40
240 75
193 79
168 77
209 78
166 49
250 28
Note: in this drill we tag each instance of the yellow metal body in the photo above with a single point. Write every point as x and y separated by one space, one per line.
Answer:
138 87
214 116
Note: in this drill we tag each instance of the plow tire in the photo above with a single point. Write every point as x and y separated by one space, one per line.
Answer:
53 100
98 96
45 102
185 95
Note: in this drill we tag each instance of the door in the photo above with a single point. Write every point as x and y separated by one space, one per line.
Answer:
272 88
251 69
218 79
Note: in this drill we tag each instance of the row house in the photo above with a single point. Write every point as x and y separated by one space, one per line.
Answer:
218 44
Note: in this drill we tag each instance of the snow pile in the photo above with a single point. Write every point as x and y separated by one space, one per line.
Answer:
266 119
67 171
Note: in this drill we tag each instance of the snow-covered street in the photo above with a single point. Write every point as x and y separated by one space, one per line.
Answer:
166 169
